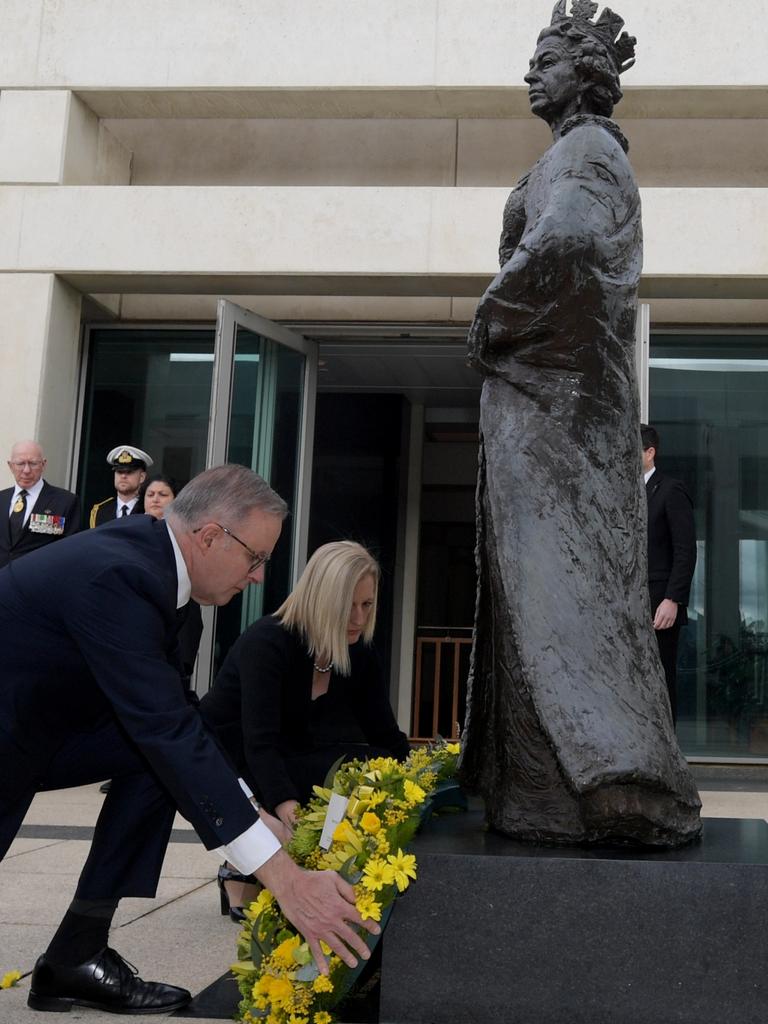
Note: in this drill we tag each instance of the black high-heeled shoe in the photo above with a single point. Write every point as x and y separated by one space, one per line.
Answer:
227 874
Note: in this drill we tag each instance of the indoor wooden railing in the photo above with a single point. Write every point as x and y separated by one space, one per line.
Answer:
440 680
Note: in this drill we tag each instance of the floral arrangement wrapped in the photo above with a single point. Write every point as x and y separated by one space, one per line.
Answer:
360 825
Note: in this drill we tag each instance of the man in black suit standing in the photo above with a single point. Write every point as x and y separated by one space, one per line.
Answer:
671 557
36 512
130 465
91 688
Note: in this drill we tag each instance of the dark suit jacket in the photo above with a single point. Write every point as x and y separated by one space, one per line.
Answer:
104 511
671 542
53 501
89 634
261 706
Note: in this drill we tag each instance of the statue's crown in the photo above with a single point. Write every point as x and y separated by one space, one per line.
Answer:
606 29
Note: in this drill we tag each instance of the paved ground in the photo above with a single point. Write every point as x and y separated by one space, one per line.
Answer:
180 936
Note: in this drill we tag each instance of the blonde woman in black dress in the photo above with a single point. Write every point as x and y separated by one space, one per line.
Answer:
303 687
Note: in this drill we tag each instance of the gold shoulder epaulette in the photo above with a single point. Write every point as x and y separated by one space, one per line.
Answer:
94 511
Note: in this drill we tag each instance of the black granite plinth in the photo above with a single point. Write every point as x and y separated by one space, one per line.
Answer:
497 932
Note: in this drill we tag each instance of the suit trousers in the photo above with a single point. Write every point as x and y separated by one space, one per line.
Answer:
668 641
133 827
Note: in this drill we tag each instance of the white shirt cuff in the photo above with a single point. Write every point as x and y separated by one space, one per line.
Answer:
251 848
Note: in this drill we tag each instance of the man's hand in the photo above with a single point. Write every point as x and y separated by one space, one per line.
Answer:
279 830
666 614
286 812
320 905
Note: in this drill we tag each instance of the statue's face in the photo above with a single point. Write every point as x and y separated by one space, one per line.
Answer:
554 86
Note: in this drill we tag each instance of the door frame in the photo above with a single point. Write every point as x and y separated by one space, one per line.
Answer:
230 316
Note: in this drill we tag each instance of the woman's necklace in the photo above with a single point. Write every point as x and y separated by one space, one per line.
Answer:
322 669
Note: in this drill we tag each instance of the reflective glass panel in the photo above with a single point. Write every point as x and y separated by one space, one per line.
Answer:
150 388
709 402
264 433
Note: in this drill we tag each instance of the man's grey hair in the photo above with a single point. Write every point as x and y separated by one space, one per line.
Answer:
225 494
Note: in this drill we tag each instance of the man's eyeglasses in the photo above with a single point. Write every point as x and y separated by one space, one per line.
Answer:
32 463
257 560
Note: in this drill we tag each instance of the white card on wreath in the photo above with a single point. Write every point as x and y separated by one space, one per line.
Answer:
337 808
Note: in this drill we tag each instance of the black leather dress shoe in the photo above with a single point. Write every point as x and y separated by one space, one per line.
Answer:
107 982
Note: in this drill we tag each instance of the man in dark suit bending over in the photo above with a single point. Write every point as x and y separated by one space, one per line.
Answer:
33 513
90 688
671 557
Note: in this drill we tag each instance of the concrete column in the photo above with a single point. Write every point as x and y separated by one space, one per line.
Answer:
47 137
50 137
39 353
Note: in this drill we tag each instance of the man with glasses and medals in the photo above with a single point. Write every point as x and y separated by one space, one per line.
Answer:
37 513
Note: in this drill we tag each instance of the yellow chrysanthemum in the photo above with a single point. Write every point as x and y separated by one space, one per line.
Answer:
368 907
382 844
283 954
263 902
281 993
414 794
294 1019
377 797
452 748
370 823
322 983
10 979
404 868
376 874
263 986
322 1017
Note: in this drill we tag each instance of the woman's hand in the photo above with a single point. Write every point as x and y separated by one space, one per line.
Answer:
286 812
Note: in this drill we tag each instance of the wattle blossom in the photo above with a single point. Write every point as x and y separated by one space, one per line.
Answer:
279 982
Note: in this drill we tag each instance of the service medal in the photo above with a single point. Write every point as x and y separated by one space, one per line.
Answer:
19 506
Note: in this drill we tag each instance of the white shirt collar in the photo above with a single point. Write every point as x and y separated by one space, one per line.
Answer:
120 503
649 474
33 493
184 590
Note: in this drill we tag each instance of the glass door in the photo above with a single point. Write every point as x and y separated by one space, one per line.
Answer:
262 416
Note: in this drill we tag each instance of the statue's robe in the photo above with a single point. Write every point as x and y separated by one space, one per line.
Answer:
569 736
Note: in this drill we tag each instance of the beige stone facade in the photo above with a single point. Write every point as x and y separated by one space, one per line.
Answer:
335 163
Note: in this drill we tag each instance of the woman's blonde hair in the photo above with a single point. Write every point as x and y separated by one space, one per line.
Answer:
319 605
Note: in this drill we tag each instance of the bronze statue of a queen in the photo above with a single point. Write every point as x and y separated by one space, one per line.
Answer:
569 736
